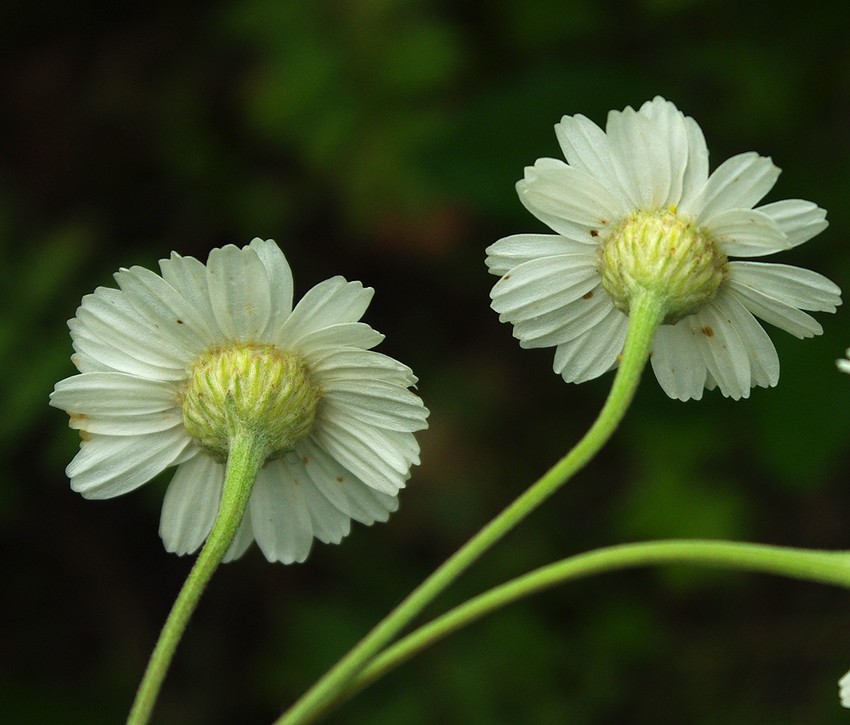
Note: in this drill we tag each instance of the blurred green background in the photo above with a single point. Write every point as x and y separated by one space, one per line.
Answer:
381 139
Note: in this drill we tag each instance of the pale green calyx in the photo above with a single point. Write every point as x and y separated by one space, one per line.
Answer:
251 388
666 254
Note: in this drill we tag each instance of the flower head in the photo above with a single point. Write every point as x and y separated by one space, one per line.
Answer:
170 366
635 209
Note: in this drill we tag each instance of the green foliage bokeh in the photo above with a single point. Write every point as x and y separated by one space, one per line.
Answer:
381 140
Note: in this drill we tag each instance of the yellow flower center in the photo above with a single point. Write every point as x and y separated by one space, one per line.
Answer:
250 388
665 253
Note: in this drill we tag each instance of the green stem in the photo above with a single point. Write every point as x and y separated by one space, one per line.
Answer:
244 460
826 567
646 313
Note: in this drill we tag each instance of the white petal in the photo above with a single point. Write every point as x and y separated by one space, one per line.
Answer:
799 220
118 404
110 393
86 363
670 124
279 515
677 362
346 364
746 233
586 148
793 285
378 403
543 285
165 309
764 362
342 488
777 313
109 466
280 280
243 539
107 317
510 252
566 323
594 352
92 354
191 504
722 350
738 183
345 334
331 302
641 158
696 171
129 425
239 292
330 525
777 293
570 201
189 277
364 452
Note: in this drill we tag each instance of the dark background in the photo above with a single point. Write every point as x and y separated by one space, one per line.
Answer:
381 139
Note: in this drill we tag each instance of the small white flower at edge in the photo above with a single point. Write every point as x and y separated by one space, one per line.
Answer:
168 362
843 363
635 208
844 690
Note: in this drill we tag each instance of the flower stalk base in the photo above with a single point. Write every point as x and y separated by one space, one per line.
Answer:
244 461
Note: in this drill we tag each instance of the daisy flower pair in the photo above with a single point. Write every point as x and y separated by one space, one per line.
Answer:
633 207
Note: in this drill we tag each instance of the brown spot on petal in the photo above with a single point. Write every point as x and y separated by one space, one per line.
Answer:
305 460
594 233
587 295
707 331
339 479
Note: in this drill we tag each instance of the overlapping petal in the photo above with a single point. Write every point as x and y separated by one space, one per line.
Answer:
568 200
109 466
239 292
798 220
280 518
778 293
510 252
594 351
344 490
641 157
738 183
747 233
190 505
677 362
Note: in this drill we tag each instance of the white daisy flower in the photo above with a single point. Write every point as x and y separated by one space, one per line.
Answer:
635 208
844 690
166 361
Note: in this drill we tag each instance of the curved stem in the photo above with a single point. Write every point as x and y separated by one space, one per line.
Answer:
646 313
826 567
244 460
